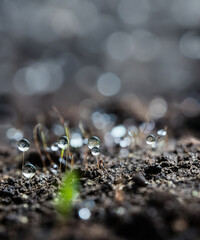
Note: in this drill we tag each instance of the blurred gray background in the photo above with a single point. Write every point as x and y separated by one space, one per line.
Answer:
70 50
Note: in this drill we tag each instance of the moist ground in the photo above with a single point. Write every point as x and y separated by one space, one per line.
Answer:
150 194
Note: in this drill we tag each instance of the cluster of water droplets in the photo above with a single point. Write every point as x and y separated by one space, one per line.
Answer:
28 170
153 140
94 144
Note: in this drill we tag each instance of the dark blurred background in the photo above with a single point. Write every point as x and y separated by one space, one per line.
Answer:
71 52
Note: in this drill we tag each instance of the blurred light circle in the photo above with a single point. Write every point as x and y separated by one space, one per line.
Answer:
190 107
119 45
125 142
58 129
108 140
134 11
186 13
64 23
146 46
190 45
76 140
13 133
109 84
118 131
39 78
157 108
84 213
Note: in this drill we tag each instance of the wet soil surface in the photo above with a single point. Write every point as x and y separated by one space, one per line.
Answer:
150 194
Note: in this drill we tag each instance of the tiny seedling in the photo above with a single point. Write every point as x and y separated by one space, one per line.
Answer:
63 143
95 152
67 132
37 145
137 134
133 133
85 141
45 145
153 141
23 146
94 146
68 193
162 135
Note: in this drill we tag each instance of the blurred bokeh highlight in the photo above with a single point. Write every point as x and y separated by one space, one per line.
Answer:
68 51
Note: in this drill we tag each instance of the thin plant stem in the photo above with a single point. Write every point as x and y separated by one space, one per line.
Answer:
29 184
23 157
72 160
85 162
97 160
61 156
45 147
38 126
67 132
66 159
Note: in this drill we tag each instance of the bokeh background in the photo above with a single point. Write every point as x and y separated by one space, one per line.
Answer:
71 52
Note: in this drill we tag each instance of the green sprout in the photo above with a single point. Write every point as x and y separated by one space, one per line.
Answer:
68 193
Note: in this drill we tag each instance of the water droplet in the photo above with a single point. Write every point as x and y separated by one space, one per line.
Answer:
158 108
54 147
63 142
84 213
76 140
54 169
95 151
109 84
29 171
150 139
162 132
23 145
93 142
118 131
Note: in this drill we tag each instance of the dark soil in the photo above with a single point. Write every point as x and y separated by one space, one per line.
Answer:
147 195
